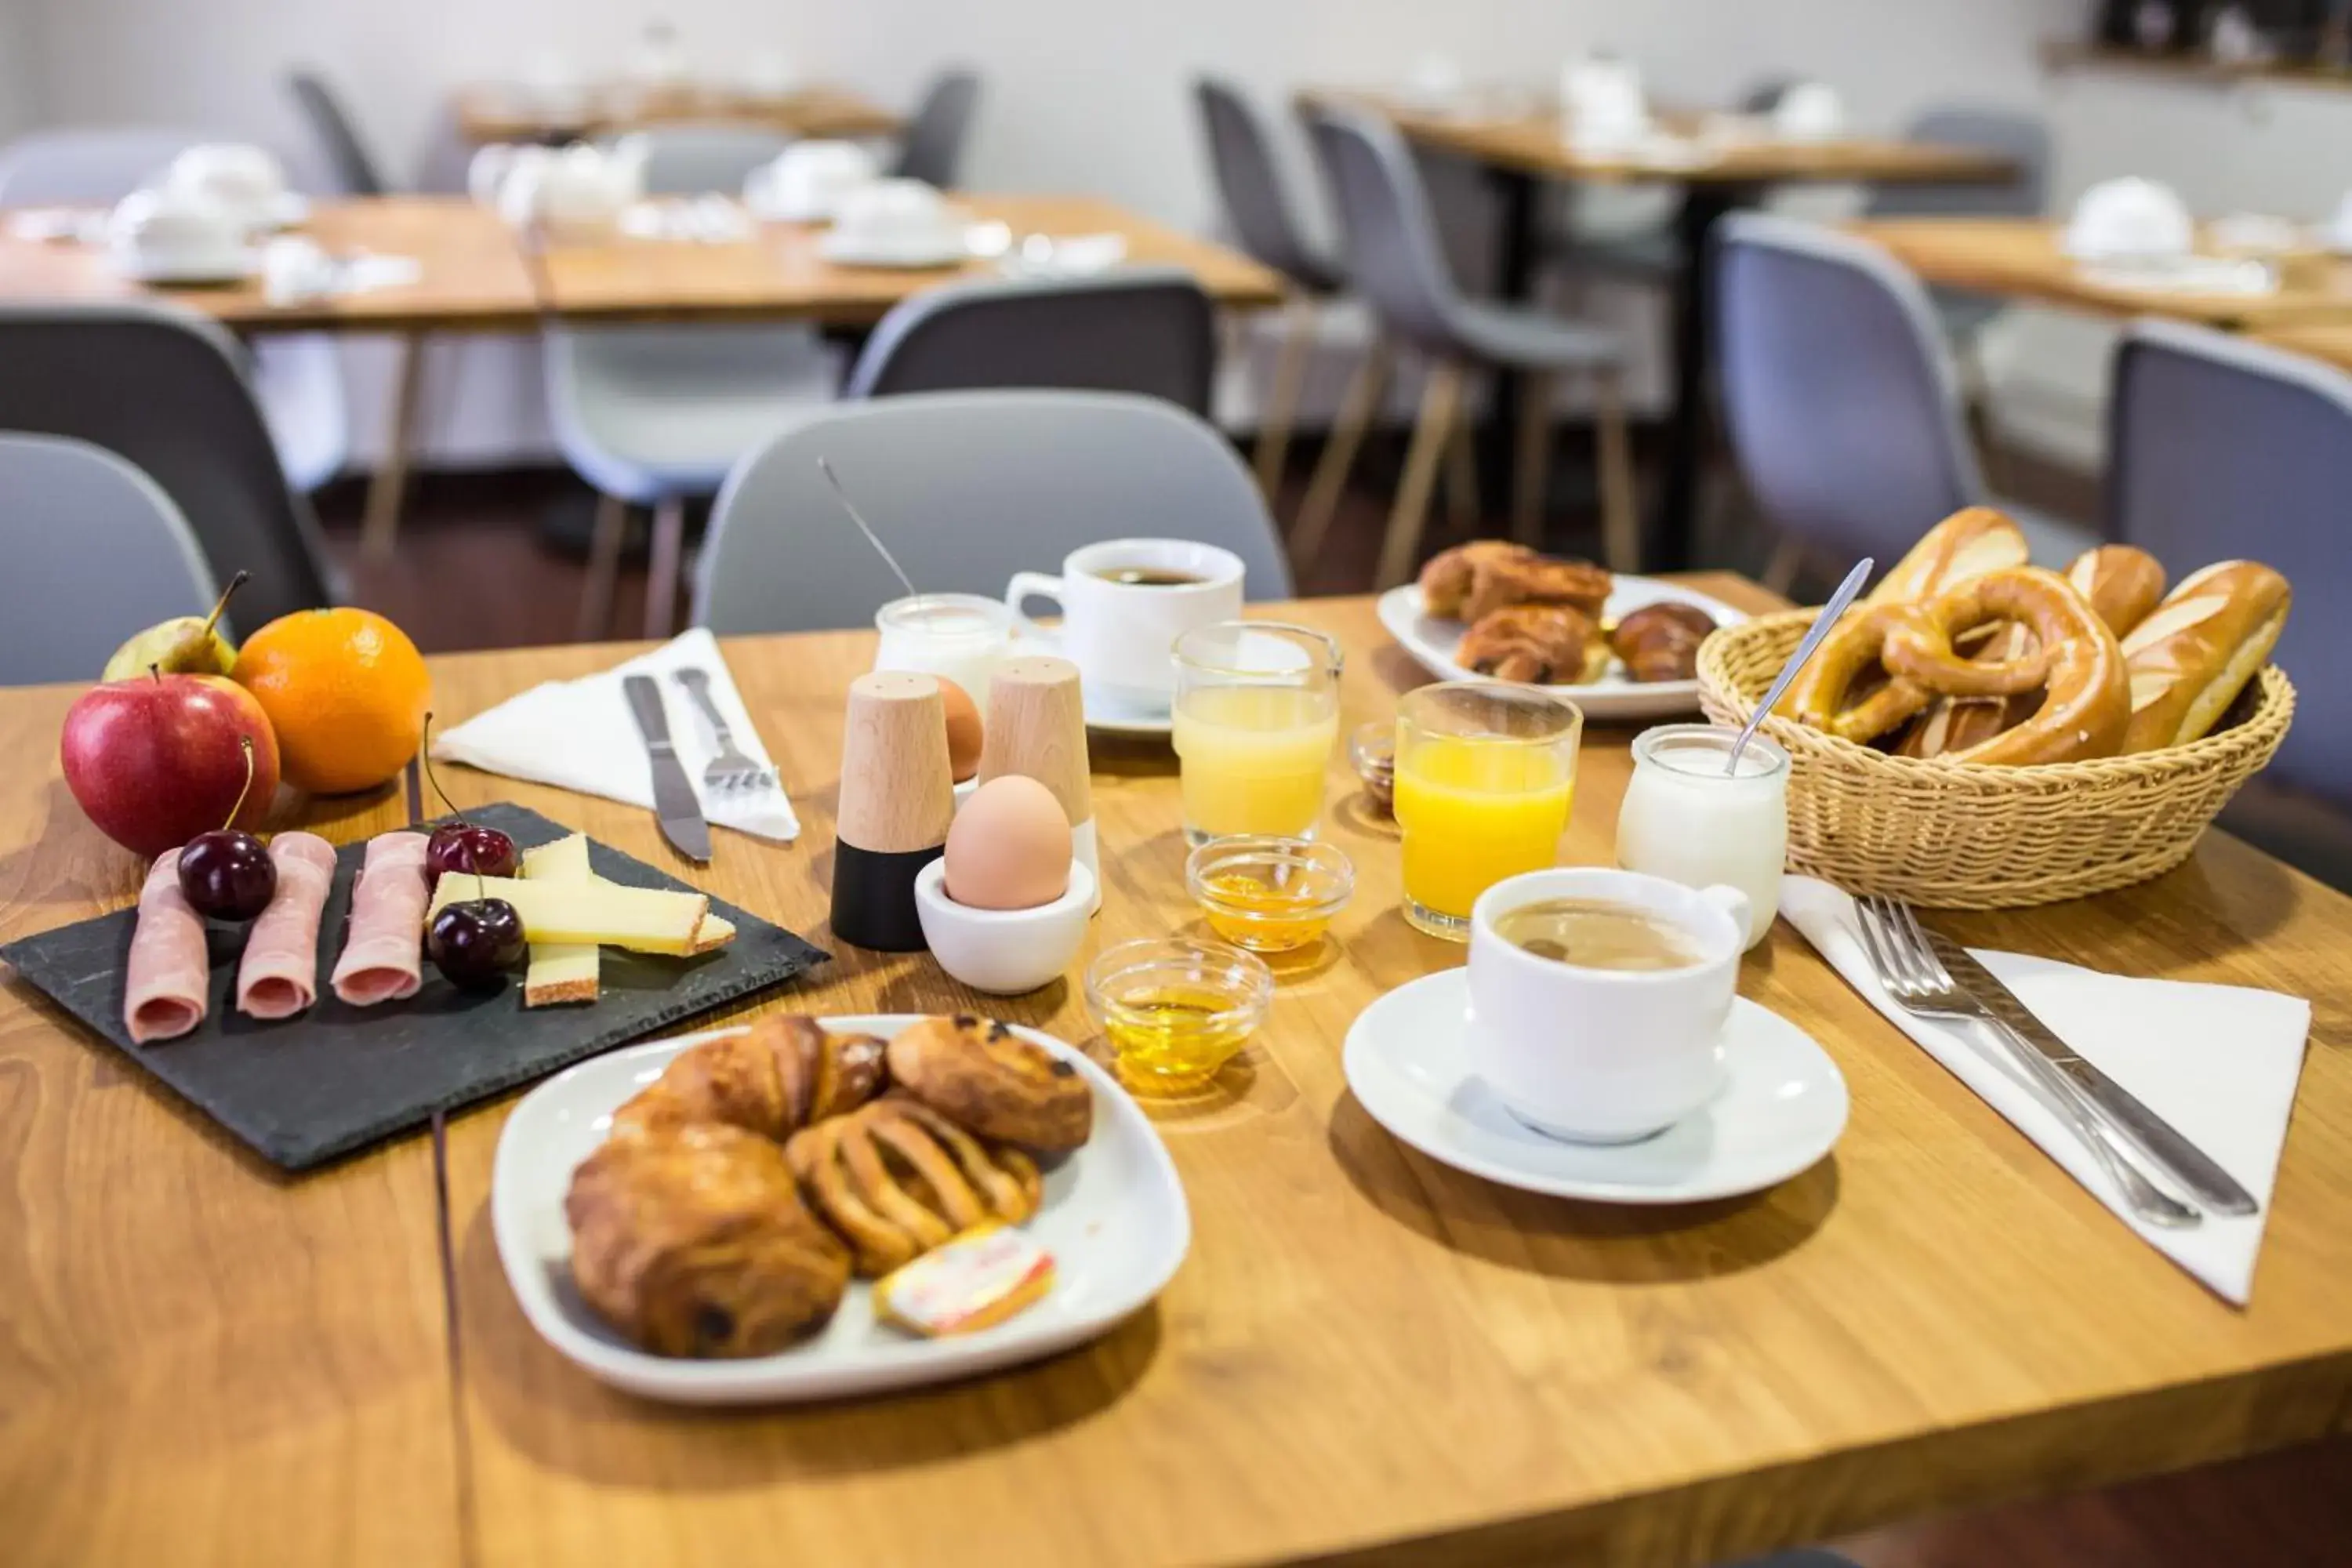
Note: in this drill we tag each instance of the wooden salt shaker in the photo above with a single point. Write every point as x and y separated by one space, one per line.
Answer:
897 796
1037 726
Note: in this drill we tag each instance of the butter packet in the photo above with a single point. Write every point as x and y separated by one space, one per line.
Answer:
980 1278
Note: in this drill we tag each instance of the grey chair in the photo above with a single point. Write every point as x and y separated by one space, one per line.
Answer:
654 417
96 551
299 378
1394 259
355 171
1840 400
164 389
967 488
1149 331
932 151
1258 213
2221 448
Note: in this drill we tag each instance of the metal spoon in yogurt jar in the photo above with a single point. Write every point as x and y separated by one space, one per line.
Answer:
1831 612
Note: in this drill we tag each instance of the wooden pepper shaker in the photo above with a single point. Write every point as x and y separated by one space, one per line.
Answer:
897 796
1037 726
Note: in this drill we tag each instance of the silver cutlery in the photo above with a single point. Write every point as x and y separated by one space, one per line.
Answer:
1917 981
2196 1172
731 772
1832 612
674 804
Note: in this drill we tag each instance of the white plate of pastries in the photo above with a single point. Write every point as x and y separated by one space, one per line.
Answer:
805 1209
1619 647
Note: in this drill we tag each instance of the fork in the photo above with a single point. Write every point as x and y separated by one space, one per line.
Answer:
1920 985
729 772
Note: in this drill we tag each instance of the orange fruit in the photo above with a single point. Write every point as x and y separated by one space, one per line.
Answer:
346 691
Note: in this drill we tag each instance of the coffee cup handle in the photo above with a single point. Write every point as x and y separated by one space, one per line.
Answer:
1026 585
1732 903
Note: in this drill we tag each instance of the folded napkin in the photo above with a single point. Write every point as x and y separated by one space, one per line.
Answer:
579 734
2218 1062
294 270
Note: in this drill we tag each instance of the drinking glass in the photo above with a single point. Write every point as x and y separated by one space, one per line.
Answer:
1485 776
1683 818
961 636
1256 717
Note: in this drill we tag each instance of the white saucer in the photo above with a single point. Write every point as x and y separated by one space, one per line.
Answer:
949 248
1114 716
1782 1105
238 265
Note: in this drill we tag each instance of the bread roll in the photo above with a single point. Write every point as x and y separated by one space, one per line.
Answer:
2122 582
2188 661
1968 543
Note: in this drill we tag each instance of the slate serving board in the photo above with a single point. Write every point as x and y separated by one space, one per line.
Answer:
303 1090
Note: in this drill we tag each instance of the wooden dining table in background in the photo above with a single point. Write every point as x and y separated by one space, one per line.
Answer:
1522 148
1366 1357
2328 342
500 111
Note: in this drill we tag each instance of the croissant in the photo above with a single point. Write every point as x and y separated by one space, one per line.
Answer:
1542 644
772 1079
1446 581
693 1241
896 1179
1660 642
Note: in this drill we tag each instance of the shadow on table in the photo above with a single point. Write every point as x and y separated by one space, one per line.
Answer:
546 1409
1567 1239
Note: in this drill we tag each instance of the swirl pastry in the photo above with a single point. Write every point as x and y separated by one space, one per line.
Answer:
896 1179
772 1079
985 1077
1473 581
693 1241
1542 644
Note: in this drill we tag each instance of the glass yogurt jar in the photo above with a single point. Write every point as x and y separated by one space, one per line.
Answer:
1688 820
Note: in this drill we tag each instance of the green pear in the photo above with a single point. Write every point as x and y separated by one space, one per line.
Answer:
184 645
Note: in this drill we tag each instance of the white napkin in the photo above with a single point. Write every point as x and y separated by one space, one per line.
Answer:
580 735
295 271
2218 1062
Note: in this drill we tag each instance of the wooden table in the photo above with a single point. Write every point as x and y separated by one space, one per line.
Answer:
1365 1356
492 111
1519 149
2025 259
2332 344
781 275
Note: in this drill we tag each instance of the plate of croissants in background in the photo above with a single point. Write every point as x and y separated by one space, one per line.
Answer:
817 1208
1621 646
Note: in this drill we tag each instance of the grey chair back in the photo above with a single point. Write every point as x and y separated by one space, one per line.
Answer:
1142 329
82 165
692 160
2024 139
968 487
96 551
353 169
1388 230
164 389
933 149
2224 449
1250 188
1844 409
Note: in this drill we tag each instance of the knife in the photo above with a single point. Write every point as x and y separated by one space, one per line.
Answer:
2143 1129
674 806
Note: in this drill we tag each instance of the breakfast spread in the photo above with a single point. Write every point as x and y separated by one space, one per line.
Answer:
734 1196
1538 620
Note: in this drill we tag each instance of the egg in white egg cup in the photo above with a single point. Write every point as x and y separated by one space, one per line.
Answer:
1003 953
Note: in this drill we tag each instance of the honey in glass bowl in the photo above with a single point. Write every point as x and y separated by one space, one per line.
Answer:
1175 1011
1269 893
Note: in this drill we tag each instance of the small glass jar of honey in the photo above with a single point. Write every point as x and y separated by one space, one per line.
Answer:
1177 1011
1270 894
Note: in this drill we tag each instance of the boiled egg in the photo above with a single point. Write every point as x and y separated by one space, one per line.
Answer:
1009 848
964 732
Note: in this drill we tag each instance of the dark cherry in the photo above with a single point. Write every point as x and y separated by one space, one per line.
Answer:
462 846
227 875
475 943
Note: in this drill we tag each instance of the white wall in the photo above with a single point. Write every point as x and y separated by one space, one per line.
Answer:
18 69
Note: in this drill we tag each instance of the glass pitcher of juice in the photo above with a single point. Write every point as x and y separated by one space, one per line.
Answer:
1485 775
1257 719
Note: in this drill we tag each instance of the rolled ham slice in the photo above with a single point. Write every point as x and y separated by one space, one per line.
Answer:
382 957
167 977
279 976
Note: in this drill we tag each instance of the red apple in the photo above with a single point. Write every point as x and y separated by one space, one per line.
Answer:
158 759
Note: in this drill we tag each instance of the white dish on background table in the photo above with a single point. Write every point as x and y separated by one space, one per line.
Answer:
1782 1105
1114 1217
1433 643
206 269
919 254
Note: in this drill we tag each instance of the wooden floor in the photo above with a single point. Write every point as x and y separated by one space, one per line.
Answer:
474 570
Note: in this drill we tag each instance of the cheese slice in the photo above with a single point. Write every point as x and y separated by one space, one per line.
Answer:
643 919
715 933
561 971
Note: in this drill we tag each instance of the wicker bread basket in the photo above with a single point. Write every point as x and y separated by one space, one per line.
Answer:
1969 837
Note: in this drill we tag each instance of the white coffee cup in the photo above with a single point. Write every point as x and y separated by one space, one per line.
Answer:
245 182
892 213
1603 1056
1809 111
807 182
1121 636
1603 101
159 233
2130 219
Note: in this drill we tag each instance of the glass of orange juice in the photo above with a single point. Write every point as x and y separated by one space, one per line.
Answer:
1256 717
1485 774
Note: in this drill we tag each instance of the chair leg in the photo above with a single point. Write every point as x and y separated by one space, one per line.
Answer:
1531 476
1281 411
662 571
1355 411
380 523
1440 402
1461 508
604 568
1976 409
1621 523
1788 560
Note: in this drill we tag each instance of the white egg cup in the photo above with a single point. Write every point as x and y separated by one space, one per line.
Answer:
1003 953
